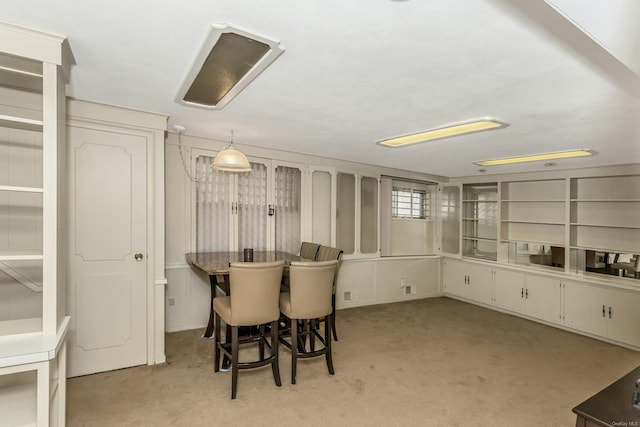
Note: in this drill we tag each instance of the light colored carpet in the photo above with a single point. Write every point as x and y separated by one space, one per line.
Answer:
432 362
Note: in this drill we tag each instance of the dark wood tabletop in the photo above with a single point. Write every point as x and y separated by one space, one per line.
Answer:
218 262
612 406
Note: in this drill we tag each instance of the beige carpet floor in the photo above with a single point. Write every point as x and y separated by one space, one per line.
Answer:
432 362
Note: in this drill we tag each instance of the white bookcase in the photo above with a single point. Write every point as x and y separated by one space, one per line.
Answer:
533 211
480 220
605 213
34 68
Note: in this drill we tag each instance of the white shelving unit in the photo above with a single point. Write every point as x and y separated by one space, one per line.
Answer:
480 221
605 213
34 68
533 211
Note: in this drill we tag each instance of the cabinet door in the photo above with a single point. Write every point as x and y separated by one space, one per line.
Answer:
583 307
454 278
480 283
623 324
542 298
509 290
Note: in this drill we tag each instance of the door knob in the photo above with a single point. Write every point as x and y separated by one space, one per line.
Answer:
138 256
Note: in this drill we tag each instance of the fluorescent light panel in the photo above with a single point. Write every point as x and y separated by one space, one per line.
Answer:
536 157
229 60
479 125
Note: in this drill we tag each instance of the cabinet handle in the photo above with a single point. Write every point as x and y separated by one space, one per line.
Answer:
526 294
603 311
522 292
609 312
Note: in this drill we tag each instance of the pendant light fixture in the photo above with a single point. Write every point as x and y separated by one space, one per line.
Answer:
231 160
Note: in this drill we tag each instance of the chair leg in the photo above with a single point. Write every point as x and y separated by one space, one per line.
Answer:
327 337
275 364
302 338
333 317
294 349
312 337
216 341
234 361
261 342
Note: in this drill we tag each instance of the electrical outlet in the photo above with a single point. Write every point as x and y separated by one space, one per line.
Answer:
347 296
403 282
172 301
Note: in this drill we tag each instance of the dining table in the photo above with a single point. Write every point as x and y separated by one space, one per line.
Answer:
216 266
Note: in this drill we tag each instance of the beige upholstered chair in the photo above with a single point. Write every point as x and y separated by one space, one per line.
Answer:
253 300
309 298
308 250
327 253
594 261
557 256
633 266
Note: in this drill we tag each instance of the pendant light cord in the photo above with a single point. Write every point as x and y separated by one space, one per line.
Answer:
198 179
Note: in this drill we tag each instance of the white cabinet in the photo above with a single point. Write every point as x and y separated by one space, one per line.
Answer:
34 68
467 280
531 294
543 298
509 288
604 311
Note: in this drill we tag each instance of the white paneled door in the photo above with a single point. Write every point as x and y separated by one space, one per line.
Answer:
107 295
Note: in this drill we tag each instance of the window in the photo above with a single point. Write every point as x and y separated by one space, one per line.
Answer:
410 203
406 223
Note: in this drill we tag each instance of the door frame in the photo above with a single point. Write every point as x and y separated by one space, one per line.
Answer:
152 127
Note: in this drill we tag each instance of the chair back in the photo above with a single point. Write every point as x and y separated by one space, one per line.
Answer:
327 253
255 291
309 250
311 288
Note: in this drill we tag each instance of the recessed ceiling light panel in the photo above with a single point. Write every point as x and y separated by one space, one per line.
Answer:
536 157
229 60
454 129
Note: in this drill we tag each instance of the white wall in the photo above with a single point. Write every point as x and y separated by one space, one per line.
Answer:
370 280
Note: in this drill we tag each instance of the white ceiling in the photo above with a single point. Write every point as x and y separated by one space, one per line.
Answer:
564 74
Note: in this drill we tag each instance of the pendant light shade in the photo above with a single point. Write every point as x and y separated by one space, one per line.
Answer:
231 160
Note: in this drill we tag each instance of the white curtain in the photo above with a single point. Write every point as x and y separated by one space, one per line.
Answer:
252 208
217 216
213 207
288 216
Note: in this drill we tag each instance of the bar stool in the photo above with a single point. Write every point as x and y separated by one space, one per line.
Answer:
309 298
254 300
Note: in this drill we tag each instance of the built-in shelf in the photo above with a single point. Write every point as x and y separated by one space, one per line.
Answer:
20 189
30 326
606 225
21 256
18 405
21 123
533 201
32 142
480 220
604 200
482 239
532 222
533 212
